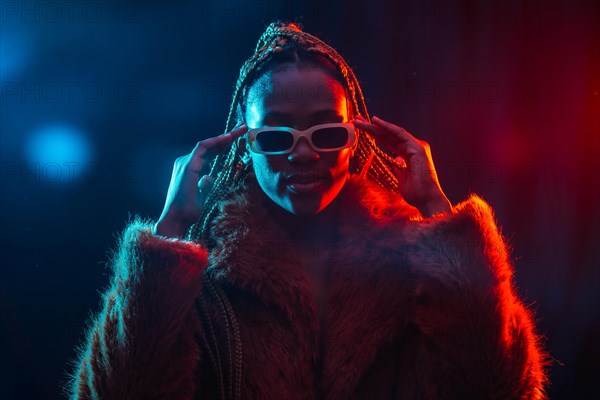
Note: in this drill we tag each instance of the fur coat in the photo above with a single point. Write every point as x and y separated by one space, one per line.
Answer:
419 308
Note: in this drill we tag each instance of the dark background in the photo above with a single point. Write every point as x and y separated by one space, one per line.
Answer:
99 98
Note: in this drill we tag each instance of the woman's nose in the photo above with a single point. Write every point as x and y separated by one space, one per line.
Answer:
303 152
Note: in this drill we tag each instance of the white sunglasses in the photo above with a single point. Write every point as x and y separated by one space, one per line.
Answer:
282 140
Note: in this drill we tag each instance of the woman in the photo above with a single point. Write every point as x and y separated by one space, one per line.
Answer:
310 252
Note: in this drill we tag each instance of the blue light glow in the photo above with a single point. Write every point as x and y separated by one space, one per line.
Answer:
58 153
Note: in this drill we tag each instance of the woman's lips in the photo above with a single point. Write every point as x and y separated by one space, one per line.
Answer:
305 187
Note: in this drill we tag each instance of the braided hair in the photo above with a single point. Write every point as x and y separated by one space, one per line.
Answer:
281 44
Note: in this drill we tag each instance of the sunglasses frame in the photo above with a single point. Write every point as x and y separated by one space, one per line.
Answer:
252 133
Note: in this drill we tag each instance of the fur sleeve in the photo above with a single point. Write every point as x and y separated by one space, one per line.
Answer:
141 345
480 337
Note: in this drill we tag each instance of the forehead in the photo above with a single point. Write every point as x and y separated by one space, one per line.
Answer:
296 89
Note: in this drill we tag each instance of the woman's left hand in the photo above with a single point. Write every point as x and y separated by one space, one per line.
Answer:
419 184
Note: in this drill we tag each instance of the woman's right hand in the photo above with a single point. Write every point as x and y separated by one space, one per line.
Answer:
188 187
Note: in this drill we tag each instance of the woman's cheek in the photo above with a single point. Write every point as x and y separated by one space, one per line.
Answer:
265 174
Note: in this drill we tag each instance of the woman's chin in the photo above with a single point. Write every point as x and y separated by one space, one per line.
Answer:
308 207
305 204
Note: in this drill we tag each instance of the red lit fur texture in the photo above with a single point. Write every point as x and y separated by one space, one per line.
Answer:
419 308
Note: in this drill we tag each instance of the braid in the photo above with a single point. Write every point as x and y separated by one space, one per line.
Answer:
228 170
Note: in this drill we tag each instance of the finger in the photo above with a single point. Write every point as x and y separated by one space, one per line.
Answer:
225 139
210 147
204 151
409 145
401 133
402 151
382 137
384 141
239 131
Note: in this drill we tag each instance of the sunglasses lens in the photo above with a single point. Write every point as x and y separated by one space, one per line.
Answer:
274 140
330 138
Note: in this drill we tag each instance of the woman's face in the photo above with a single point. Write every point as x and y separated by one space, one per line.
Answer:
304 181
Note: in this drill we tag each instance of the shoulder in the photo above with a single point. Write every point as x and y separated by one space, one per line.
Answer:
470 227
383 206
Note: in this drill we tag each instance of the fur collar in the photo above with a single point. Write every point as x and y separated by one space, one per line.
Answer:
252 253
427 287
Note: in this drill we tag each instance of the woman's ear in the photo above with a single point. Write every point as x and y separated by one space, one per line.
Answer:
243 150
353 148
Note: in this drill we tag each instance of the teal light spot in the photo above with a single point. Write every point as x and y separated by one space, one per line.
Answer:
58 154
